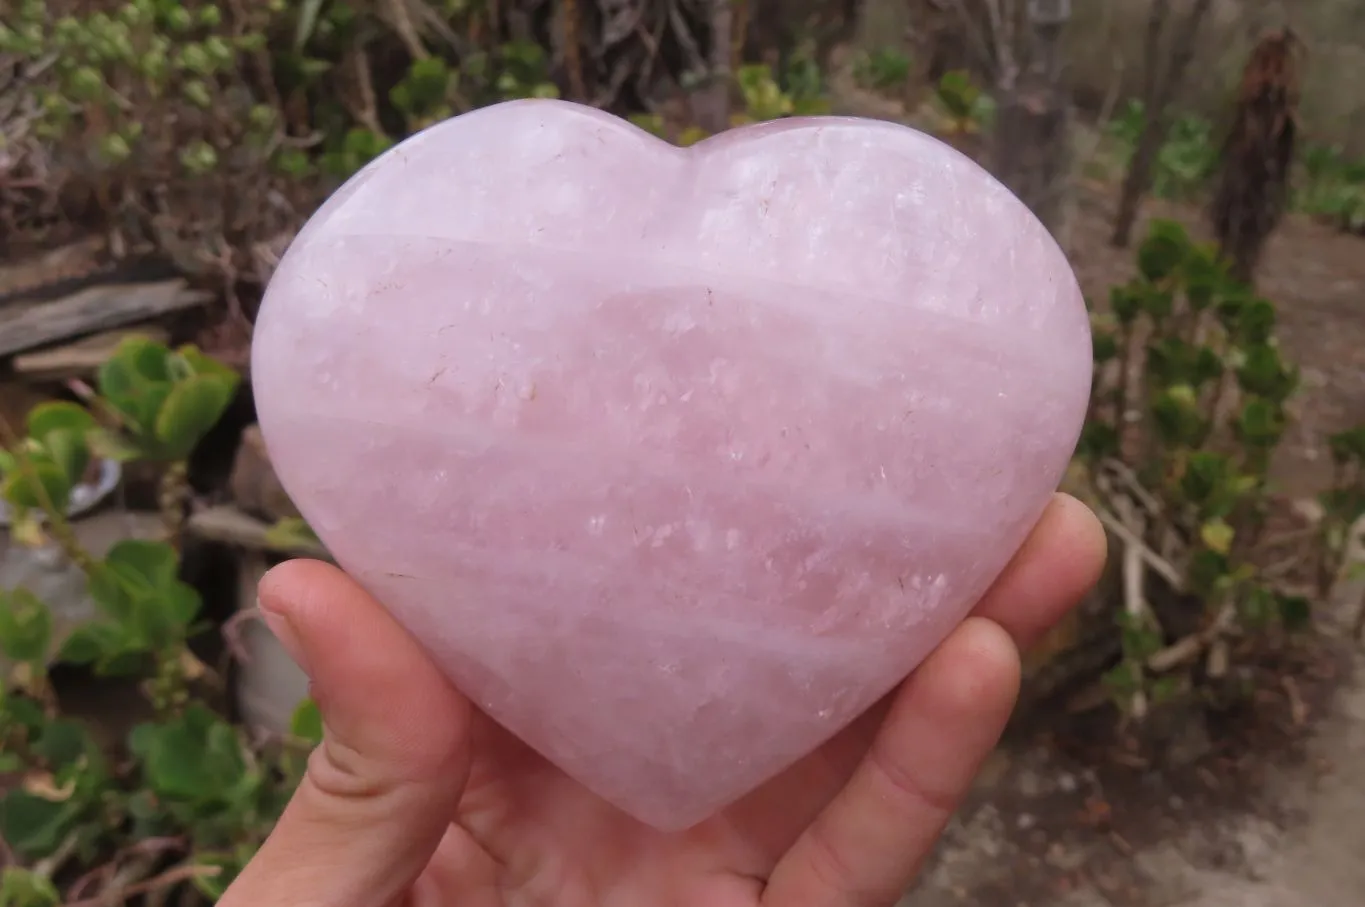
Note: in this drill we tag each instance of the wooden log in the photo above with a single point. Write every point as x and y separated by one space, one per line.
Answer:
31 326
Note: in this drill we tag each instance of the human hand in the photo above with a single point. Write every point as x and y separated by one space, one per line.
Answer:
414 798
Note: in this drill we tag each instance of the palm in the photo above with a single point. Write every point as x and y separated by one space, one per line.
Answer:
543 839
414 799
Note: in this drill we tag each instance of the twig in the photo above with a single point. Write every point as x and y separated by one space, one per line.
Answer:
1007 70
48 866
368 110
1111 99
1187 649
167 879
1124 473
573 51
1298 710
1159 564
407 32
1133 599
984 42
232 633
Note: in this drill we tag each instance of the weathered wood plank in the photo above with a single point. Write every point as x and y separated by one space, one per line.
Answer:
79 359
31 326
56 267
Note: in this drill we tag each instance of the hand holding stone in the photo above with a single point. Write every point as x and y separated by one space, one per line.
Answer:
674 460
416 798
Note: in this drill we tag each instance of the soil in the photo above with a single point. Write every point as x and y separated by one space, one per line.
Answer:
1260 806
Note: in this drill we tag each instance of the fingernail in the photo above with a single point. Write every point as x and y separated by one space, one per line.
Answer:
284 632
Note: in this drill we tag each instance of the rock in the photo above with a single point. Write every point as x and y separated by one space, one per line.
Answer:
253 483
675 459
49 575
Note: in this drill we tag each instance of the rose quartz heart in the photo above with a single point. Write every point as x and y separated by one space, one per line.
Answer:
675 460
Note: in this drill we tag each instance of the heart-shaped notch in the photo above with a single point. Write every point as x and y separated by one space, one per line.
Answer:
676 460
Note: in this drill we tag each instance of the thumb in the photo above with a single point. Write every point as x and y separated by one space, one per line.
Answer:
382 788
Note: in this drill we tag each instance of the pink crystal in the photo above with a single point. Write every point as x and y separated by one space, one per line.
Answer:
676 460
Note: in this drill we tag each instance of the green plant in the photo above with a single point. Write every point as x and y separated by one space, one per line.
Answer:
1189 404
187 798
885 69
962 105
208 131
1332 187
799 91
1184 162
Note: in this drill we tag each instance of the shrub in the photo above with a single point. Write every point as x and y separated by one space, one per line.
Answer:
188 797
886 69
207 132
1184 162
1189 403
1332 187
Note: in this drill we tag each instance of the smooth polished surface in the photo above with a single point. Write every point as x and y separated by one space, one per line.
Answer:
675 460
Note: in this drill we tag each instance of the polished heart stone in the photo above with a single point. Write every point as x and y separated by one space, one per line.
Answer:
675 460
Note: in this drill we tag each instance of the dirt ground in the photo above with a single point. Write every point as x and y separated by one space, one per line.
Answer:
1261 807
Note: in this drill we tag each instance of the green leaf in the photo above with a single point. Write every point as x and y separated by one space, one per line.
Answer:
1261 423
1158 303
1348 445
191 409
1255 322
1171 360
1140 638
136 584
1296 612
61 415
113 446
1123 680
33 826
1212 484
154 562
197 363
306 723
291 533
1105 345
1098 440
69 452
21 887
65 743
1126 302
25 627
20 490
110 592
88 644
1164 250
1217 535
1208 572
1263 372
1258 607
136 380
22 712
1206 278
1178 416
195 758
